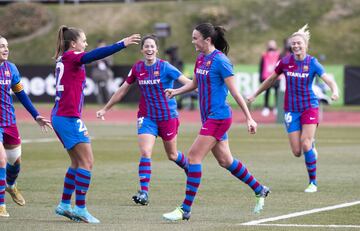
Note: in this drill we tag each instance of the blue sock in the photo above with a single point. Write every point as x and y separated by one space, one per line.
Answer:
145 173
12 172
2 185
310 162
240 171
82 182
69 186
192 185
182 161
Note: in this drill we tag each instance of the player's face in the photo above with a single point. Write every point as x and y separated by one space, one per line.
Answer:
80 44
298 45
201 44
149 50
4 50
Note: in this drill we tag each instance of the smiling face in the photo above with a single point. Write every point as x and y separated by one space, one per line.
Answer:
80 44
201 44
298 46
4 50
149 50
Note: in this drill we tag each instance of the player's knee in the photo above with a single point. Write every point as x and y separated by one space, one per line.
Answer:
172 156
296 152
224 162
13 155
306 144
3 162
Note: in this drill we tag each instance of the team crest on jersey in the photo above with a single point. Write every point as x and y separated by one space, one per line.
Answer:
156 73
306 68
208 63
7 73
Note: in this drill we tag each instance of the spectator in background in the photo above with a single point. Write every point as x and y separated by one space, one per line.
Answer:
267 66
102 74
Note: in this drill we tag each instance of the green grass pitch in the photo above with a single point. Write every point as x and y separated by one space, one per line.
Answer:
222 202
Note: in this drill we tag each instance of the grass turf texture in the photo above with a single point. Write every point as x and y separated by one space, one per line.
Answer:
222 202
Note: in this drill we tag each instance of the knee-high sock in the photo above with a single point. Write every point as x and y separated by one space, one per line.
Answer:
145 173
240 171
310 162
69 186
12 172
82 182
192 185
182 161
2 185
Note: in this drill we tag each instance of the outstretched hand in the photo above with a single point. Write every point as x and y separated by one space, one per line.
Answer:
45 124
132 39
100 114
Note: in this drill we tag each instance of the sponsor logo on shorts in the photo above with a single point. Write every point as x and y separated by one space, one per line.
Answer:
169 134
312 118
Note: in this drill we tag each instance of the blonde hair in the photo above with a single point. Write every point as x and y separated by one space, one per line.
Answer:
303 33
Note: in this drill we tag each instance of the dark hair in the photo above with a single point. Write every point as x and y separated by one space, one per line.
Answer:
217 35
66 35
149 36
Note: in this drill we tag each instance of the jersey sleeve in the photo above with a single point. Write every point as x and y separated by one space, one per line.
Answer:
172 71
15 75
225 66
318 68
131 76
279 67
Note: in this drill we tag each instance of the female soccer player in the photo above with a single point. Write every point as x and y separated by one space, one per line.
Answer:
301 104
157 115
213 78
10 142
66 115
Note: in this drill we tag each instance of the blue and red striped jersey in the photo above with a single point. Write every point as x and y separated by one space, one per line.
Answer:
9 78
210 71
299 75
152 81
70 83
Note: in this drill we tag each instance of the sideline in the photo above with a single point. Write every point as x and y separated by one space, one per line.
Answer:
297 214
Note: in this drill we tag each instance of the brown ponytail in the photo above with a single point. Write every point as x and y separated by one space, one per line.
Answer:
65 36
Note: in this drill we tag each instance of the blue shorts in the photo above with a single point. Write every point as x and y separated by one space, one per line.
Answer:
295 120
70 130
166 129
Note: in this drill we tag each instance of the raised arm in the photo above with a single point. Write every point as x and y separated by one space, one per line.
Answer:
230 83
102 52
116 97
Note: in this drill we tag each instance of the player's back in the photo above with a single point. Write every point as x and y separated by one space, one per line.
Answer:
70 82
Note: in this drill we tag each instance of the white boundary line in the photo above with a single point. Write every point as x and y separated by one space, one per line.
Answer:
40 140
310 226
297 214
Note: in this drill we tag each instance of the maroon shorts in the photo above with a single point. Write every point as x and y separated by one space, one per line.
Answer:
216 128
10 135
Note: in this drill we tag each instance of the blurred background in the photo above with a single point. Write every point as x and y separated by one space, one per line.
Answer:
30 27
